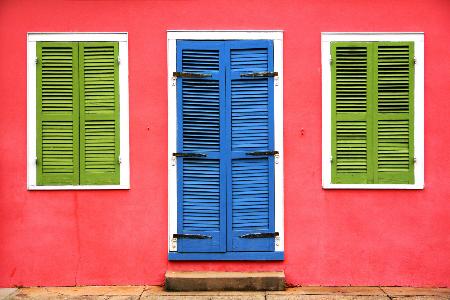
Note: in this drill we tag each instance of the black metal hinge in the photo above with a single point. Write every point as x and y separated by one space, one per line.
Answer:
262 153
259 235
189 154
260 74
191 236
190 75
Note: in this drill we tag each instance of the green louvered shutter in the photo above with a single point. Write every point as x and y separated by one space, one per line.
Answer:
394 114
351 117
373 112
99 113
57 113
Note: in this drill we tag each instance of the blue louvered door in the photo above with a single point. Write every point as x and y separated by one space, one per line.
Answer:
226 192
201 180
250 180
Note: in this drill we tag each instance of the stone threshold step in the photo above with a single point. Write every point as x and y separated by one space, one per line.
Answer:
187 281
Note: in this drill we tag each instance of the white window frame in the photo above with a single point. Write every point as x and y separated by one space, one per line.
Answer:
418 39
277 37
122 39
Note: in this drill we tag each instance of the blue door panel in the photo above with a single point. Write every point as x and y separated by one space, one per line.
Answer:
228 193
251 204
200 116
250 180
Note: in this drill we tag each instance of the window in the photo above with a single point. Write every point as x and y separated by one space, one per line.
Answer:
225 194
372 110
77 126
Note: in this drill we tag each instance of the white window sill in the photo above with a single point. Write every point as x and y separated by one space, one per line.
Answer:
374 186
77 187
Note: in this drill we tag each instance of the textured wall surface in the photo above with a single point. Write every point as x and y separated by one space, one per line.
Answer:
333 237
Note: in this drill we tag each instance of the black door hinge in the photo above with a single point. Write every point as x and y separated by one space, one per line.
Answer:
191 236
190 75
184 154
259 235
262 153
260 74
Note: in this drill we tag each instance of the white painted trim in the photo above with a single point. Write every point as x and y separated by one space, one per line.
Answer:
374 186
418 39
278 131
77 37
31 114
277 37
419 113
172 141
124 121
326 114
224 35
122 38
77 187
249 31
371 36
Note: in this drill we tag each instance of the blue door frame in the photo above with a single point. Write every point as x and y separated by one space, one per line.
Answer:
245 203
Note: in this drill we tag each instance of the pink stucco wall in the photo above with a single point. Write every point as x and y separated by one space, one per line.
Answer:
346 237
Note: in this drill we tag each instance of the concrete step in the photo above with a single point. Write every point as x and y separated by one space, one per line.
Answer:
184 281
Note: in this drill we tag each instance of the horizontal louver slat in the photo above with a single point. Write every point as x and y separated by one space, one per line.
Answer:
57 147
100 146
250 194
351 79
200 60
99 84
201 195
393 146
351 147
201 115
57 82
249 60
393 79
250 114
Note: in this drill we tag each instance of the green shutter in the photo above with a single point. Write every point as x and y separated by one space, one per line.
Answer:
57 113
372 112
99 113
394 116
351 118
